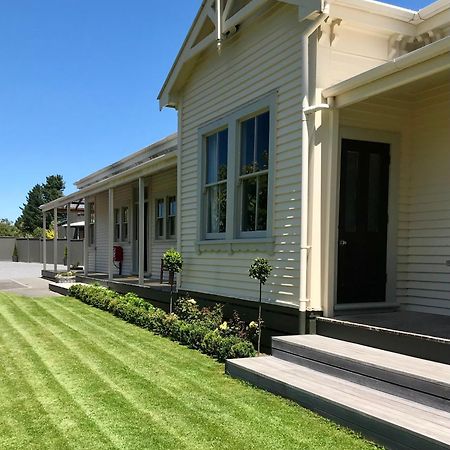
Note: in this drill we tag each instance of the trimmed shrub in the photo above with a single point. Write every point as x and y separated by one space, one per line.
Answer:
194 327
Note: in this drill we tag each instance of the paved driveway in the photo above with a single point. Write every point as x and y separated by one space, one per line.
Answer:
23 279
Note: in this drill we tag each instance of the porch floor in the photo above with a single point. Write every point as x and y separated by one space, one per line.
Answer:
435 325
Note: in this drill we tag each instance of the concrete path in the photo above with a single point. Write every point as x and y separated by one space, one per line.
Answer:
24 279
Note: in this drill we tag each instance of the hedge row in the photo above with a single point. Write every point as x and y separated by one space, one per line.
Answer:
137 311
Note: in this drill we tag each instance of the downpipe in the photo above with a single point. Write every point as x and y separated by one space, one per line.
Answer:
304 242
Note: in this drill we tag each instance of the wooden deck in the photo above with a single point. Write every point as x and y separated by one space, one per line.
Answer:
399 401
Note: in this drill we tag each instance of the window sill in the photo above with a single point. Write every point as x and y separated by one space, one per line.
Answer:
261 245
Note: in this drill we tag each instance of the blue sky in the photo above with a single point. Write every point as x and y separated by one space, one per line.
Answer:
78 85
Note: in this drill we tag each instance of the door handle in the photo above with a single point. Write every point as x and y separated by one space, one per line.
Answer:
342 243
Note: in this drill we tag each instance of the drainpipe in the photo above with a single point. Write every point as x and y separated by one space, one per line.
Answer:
304 244
219 25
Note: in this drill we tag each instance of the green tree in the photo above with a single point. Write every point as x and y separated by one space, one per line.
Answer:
7 228
31 217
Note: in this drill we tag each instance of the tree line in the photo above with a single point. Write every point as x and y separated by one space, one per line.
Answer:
29 223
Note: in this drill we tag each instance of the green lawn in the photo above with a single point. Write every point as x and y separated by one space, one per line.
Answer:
72 376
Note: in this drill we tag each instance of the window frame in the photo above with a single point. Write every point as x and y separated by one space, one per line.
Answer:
171 216
124 225
204 185
234 214
159 237
117 224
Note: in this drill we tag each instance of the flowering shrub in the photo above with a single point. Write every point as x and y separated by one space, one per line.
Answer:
201 333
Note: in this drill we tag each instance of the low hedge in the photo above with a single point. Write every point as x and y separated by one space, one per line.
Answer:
196 335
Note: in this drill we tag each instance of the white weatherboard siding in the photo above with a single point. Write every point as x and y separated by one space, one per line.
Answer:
424 272
101 232
423 194
162 185
122 198
263 57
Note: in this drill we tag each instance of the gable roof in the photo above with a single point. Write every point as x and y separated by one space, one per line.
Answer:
208 28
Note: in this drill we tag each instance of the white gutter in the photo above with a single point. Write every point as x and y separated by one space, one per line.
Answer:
304 244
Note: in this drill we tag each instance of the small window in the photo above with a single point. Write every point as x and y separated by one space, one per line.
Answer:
116 224
91 223
215 188
254 172
171 217
160 213
125 223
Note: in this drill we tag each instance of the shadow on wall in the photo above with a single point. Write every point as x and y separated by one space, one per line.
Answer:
31 250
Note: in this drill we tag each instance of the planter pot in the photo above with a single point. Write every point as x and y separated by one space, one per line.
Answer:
65 261
15 259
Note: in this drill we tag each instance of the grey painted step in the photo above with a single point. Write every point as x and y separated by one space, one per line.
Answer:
392 421
422 376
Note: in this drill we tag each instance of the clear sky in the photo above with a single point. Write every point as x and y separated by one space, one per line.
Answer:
78 85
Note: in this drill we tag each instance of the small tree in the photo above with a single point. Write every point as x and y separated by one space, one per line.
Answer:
260 270
173 262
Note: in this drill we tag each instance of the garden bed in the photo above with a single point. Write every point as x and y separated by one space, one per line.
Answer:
203 329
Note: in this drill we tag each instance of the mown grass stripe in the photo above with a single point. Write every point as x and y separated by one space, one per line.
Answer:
142 388
105 396
40 392
98 367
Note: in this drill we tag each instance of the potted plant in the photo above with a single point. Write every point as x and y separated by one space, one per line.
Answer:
15 255
173 262
260 270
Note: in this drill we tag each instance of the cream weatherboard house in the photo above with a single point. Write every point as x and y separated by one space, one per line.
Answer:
315 134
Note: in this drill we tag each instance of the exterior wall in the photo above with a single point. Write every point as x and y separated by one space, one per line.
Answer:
423 271
345 51
161 185
422 199
262 58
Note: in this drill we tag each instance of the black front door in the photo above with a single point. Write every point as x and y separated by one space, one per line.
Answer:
363 218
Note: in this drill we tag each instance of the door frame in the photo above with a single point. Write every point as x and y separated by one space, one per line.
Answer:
393 139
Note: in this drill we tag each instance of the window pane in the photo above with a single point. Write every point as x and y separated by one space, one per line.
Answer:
247 146
373 214
262 203
223 155
249 204
160 208
262 142
351 183
172 206
211 159
216 208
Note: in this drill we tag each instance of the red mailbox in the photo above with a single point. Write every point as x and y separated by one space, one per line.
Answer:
117 253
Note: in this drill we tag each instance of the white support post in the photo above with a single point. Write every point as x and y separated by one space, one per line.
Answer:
87 236
68 236
44 240
55 239
141 230
110 233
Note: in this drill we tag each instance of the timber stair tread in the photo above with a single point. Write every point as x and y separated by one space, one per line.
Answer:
423 375
307 386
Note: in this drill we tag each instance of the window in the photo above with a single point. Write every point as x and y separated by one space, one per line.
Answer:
254 173
171 217
116 224
215 188
160 213
125 223
91 223
236 185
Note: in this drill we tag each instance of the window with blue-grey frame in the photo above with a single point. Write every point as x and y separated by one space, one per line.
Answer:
237 154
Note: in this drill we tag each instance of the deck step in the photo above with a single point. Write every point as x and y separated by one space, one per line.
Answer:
393 421
402 375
